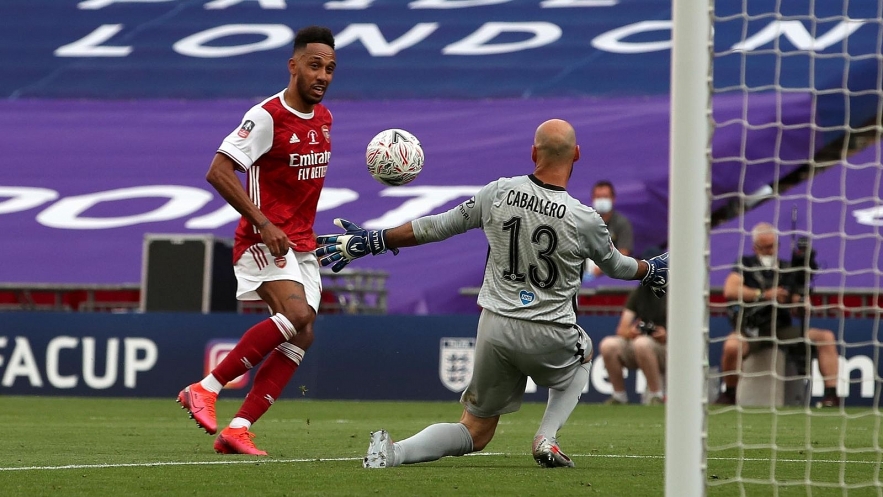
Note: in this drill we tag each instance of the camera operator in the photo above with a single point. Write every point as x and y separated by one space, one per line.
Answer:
763 291
639 343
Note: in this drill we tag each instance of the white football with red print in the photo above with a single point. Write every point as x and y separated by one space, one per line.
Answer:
394 157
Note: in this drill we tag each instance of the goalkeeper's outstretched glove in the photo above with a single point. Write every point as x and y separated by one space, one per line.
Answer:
357 242
657 274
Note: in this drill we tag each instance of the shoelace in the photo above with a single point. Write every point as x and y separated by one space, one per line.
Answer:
210 406
245 437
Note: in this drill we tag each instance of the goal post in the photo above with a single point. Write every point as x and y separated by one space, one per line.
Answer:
777 117
688 213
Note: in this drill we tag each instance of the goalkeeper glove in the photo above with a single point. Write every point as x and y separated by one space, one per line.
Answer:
657 274
357 242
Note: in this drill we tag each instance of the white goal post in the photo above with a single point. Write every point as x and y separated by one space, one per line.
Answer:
687 235
785 100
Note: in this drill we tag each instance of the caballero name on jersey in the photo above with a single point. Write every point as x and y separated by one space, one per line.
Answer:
535 204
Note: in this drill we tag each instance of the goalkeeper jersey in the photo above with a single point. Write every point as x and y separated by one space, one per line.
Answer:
539 237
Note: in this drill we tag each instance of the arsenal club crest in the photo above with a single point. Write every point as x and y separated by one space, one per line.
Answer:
456 359
326 132
280 262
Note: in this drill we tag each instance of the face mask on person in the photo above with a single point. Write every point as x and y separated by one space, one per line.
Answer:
767 261
602 205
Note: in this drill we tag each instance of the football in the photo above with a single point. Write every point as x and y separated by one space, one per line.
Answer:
394 157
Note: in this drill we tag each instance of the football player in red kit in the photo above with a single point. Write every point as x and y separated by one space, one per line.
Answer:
283 145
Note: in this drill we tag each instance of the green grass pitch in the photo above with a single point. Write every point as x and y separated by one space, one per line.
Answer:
99 447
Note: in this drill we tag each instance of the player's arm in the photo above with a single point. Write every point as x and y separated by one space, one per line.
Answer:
596 244
401 236
432 228
626 239
339 250
222 176
624 267
651 272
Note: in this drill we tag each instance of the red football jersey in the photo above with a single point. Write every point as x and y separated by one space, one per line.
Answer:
285 154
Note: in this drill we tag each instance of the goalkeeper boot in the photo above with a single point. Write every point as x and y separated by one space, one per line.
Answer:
237 441
830 401
548 455
381 451
200 404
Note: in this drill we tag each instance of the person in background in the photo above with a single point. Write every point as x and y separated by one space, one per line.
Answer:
620 228
639 343
762 292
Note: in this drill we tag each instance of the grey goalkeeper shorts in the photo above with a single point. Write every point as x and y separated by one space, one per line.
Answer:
508 350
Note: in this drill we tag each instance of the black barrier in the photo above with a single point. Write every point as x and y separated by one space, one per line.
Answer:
353 357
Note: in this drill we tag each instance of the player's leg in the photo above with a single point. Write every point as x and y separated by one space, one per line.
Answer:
199 398
647 355
734 352
258 341
272 376
299 301
290 315
447 439
616 351
432 443
282 359
829 363
255 280
282 362
496 388
560 406
566 373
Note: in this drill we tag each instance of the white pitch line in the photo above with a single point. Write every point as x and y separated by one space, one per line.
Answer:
177 463
335 459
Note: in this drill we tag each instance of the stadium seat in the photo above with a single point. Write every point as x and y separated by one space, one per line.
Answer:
762 384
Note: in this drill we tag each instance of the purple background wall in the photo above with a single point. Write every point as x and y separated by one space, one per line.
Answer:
74 149
59 151
839 210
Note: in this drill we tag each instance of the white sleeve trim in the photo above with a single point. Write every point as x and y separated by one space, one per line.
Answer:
243 162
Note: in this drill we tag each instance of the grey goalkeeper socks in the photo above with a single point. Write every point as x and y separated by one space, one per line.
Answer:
562 403
434 442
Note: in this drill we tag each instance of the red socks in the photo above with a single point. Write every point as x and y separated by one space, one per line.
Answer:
272 376
254 345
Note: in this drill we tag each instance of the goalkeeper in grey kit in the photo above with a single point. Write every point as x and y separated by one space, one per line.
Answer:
539 237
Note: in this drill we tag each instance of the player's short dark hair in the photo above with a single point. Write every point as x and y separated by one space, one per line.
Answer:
602 184
313 34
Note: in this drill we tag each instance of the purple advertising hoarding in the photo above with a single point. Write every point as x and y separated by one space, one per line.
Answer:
839 210
84 181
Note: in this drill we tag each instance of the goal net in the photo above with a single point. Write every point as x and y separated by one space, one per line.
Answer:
795 110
